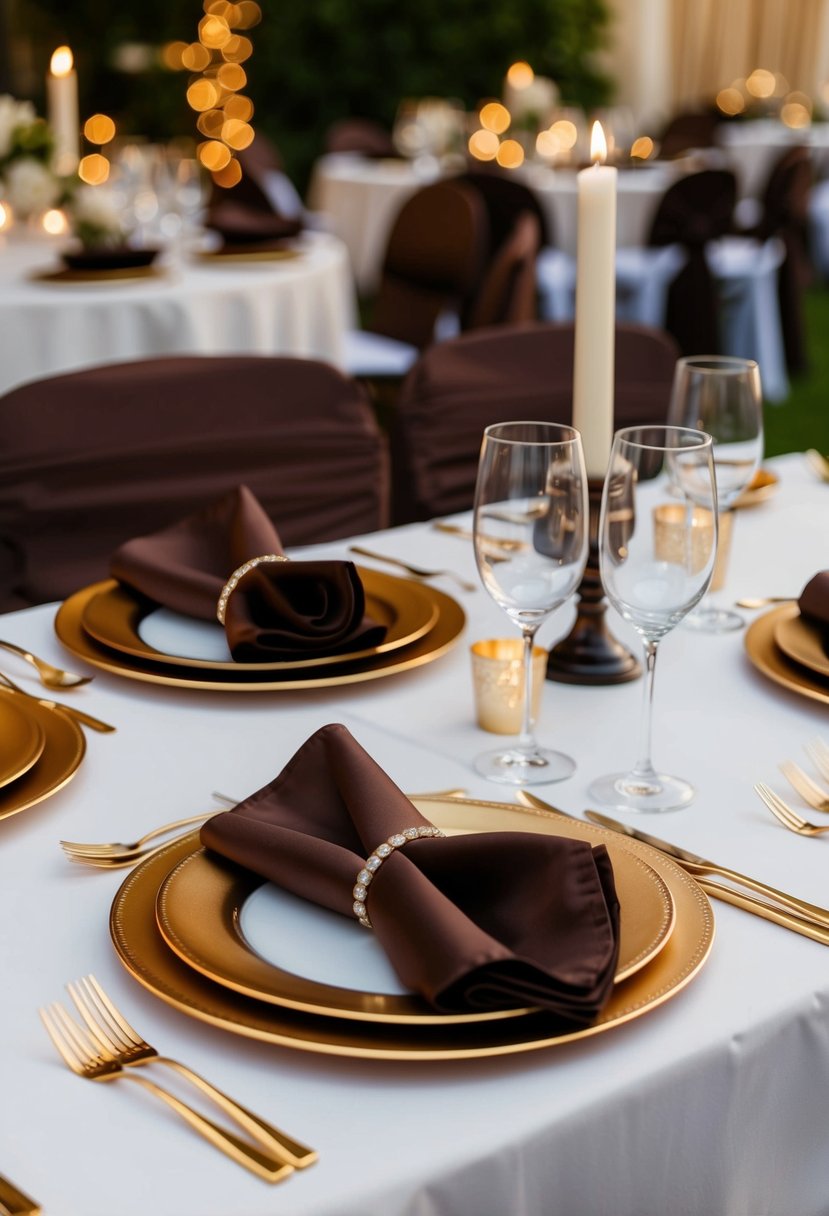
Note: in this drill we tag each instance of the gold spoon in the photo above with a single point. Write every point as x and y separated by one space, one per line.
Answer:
50 676
761 601
69 710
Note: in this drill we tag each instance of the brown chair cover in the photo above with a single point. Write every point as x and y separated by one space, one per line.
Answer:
90 459
687 130
694 210
361 135
786 215
506 199
508 292
433 261
499 375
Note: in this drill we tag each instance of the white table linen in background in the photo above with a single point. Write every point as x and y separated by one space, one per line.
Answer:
715 1102
301 306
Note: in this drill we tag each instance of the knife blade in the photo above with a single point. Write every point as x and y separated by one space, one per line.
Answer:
701 866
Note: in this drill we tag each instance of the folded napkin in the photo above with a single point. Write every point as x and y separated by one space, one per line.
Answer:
278 610
814 602
476 922
239 224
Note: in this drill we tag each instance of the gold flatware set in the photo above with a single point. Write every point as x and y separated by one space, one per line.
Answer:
13 1202
419 572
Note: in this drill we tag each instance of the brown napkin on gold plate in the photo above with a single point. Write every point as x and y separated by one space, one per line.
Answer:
242 226
475 922
279 610
814 602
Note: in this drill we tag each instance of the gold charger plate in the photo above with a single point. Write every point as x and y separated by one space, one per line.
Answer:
113 617
802 642
763 484
63 751
199 908
21 739
219 256
767 657
146 956
436 642
112 274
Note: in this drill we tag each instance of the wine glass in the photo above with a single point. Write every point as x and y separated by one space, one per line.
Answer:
657 548
530 535
722 396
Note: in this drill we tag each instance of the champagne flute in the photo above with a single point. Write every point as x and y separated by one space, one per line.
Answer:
530 535
656 558
722 396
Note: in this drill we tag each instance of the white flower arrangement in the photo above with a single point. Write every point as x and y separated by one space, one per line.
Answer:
95 216
27 179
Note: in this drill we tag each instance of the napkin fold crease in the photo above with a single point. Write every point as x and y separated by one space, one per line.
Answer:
473 922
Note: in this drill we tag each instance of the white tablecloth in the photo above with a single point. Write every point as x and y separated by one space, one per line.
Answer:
301 306
714 1103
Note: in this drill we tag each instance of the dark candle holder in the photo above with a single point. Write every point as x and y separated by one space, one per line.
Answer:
590 654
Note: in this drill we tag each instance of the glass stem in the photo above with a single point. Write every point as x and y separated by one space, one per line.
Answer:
526 740
643 766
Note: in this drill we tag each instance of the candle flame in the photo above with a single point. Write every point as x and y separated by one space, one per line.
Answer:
61 62
598 144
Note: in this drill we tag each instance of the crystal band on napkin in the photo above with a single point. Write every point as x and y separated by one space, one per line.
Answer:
479 921
814 602
278 610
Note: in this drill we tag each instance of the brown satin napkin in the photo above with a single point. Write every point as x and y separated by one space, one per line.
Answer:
279 610
474 922
814 602
242 225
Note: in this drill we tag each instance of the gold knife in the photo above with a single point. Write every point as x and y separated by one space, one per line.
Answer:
702 866
749 903
14 1201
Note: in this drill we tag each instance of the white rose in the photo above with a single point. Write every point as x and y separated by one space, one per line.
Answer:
13 114
98 207
30 187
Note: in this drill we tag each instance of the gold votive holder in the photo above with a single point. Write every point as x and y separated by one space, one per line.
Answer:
673 543
498 683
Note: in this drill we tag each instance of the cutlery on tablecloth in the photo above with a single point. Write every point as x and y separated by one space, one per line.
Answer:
818 753
415 571
13 1202
784 813
818 463
797 915
50 676
496 542
70 710
761 601
808 789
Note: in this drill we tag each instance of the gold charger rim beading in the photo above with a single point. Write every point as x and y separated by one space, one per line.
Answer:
432 645
113 615
64 749
766 656
145 955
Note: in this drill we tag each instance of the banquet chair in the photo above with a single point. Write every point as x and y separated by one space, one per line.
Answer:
686 130
92 458
501 374
507 295
433 264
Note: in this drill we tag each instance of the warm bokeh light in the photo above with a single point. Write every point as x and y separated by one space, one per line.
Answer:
195 57
237 135
240 107
54 222
171 55
598 144
483 145
641 148
202 95
520 75
210 123
213 155
565 132
222 8
510 154
796 111
237 49
547 144
495 117
761 83
781 85
99 129
230 176
6 217
231 76
730 101
61 62
214 33
93 169
250 14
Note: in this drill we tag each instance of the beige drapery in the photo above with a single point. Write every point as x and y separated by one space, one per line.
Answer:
715 42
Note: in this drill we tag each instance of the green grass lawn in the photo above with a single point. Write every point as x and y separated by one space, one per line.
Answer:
802 420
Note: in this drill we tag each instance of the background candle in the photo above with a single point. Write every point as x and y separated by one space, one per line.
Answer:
62 100
595 308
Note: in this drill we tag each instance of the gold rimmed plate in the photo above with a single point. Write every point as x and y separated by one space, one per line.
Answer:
224 256
72 275
768 658
309 954
145 954
114 617
437 641
64 747
802 642
21 739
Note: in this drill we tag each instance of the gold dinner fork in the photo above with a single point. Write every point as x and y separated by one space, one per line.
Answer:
50 676
116 1037
818 753
87 1059
415 571
789 818
808 789
78 714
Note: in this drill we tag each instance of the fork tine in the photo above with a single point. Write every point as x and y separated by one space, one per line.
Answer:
113 1014
779 808
100 1014
68 1055
808 789
818 753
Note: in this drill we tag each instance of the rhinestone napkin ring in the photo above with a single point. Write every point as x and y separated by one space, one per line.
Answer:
373 863
237 575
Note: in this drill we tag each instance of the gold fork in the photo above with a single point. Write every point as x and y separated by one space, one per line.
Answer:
14 1203
789 818
78 714
50 676
87 1059
808 789
114 1035
818 753
415 571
